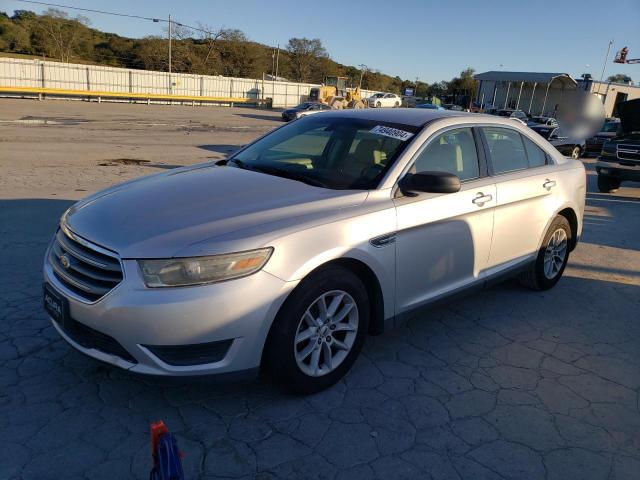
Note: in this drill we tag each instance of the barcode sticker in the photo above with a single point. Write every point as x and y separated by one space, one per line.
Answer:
391 132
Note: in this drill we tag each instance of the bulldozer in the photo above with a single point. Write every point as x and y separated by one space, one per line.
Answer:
335 93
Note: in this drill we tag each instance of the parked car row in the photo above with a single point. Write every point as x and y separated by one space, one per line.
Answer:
546 127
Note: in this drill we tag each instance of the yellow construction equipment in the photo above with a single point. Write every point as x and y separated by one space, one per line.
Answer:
335 93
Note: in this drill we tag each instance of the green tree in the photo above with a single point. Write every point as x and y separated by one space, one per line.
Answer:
620 78
304 57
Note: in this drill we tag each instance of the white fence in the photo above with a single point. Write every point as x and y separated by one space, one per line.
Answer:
15 72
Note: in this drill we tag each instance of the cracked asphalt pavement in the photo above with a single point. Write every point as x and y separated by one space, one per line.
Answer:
505 384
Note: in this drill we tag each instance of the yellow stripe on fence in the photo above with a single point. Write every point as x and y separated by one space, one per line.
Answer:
144 96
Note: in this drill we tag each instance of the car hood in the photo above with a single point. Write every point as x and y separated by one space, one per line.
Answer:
604 135
201 210
629 113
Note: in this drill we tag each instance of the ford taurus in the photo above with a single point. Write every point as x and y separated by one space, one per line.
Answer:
290 252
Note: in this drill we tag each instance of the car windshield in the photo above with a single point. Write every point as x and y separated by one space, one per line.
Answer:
305 105
610 127
336 153
504 113
378 95
539 119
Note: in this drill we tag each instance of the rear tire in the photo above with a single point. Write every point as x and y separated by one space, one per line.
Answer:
303 353
607 184
552 257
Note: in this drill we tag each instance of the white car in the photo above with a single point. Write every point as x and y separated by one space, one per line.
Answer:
385 100
325 230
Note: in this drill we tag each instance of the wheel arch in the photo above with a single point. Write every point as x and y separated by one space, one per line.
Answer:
368 277
572 218
370 281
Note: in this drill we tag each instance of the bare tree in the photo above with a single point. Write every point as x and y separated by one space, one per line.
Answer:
210 36
63 33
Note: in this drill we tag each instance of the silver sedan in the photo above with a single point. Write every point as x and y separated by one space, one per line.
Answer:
326 230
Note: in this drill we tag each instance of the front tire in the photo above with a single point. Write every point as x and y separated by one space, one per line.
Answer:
552 258
378 104
319 331
607 184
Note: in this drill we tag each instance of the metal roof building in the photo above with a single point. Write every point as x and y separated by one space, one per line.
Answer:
537 93
541 93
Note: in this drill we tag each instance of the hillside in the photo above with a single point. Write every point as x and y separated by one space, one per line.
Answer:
56 36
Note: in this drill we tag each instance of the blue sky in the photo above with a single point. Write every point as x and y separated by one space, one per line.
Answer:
432 40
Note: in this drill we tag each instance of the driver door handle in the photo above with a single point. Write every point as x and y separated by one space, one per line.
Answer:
481 199
549 184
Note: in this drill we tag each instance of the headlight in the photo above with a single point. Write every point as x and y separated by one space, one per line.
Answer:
178 272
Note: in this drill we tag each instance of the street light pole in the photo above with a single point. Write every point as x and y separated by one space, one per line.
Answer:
277 61
604 67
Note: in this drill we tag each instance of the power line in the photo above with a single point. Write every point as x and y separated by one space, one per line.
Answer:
118 14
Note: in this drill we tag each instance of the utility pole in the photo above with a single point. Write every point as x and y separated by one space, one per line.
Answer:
273 64
277 61
604 67
415 94
169 43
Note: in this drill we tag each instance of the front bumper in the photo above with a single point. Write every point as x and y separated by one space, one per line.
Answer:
624 170
238 312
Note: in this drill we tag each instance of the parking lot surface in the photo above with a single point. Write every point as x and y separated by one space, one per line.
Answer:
508 383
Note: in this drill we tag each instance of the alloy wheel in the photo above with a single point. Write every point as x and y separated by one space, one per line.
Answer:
575 153
326 333
555 254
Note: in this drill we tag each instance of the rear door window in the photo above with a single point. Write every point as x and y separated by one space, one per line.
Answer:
535 154
506 149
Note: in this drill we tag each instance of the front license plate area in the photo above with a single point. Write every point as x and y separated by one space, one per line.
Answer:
55 305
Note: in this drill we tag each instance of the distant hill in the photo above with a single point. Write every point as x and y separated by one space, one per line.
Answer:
56 36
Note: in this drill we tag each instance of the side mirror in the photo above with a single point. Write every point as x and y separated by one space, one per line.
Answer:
430 182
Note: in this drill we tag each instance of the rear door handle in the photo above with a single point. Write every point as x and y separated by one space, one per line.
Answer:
481 199
549 184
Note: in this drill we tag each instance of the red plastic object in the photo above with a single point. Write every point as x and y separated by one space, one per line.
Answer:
158 429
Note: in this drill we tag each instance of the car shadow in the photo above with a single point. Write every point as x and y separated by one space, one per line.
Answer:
255 116
27 227
225 149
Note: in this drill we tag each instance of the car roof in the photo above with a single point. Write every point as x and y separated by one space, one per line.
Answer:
408 116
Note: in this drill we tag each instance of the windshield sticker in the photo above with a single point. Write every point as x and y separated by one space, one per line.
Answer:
391 132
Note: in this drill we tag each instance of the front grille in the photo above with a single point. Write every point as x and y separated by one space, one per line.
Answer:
195 354
83 270
629 152
90 338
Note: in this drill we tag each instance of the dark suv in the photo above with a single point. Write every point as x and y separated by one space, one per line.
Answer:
607 132
620 156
